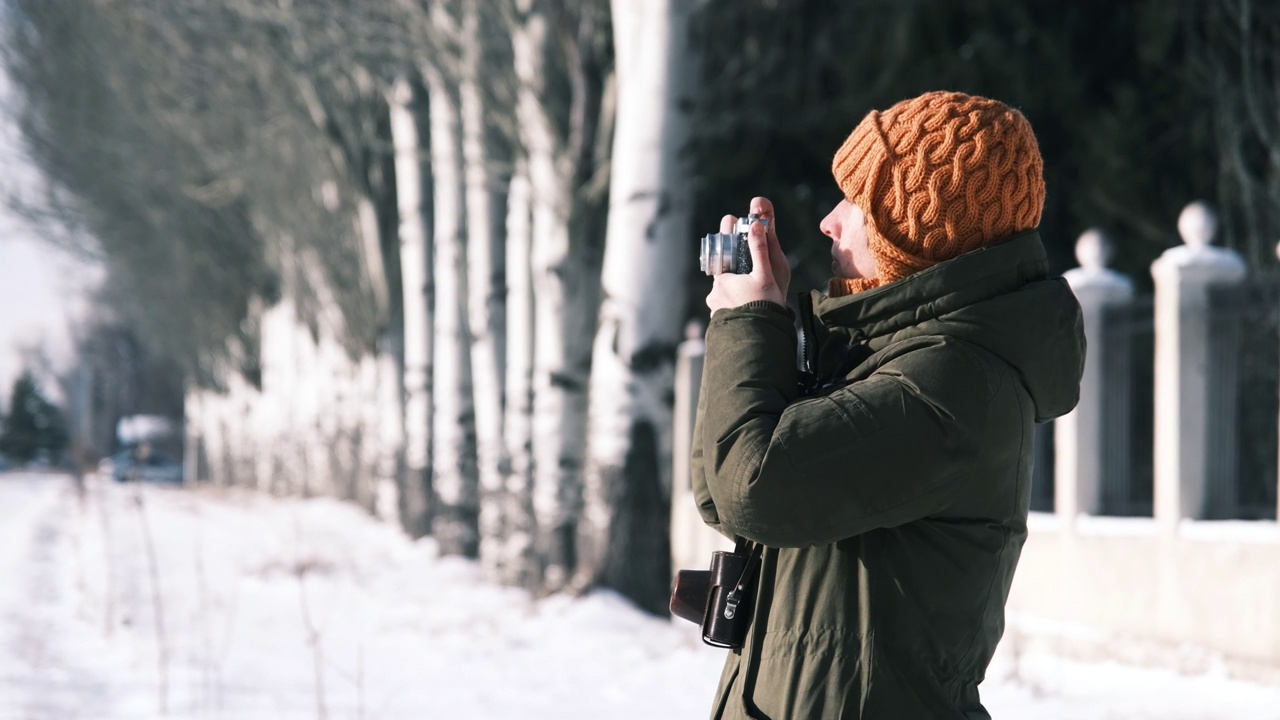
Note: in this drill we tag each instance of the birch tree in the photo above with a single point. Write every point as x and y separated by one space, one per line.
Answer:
518 563
562 72
410 131
359 142
454 453
485 155
624 526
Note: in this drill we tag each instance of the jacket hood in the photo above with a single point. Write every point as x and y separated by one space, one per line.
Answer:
999 298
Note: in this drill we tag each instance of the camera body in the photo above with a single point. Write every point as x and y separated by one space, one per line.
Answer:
728 252
720 600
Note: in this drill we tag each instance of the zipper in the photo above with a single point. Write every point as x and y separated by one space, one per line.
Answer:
807 333
811 383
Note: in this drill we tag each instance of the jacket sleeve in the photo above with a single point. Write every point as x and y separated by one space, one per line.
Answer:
701 493
789 472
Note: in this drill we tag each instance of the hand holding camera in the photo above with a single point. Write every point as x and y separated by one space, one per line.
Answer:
759 273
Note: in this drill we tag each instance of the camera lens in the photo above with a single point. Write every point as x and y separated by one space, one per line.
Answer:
716 254
728 252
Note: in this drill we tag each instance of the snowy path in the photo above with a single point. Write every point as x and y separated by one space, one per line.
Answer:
275 608
52 673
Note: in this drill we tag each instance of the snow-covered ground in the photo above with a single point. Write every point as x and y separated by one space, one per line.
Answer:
209 604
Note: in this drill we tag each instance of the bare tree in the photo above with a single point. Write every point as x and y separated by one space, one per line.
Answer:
628 485
1235 53
409 127
485 63
203 178
562 62
454 453
519 563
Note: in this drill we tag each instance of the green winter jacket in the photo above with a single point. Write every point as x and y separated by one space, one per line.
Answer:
893 501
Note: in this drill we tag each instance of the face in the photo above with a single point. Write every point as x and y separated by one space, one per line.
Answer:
850 256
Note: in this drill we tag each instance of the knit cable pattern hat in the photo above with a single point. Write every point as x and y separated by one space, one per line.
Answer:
937 176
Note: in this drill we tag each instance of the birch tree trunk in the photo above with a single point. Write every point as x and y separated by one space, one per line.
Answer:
624 538
454 453
382 447
565 282
410 133
385 430
486 302
381 174
390 477
519 563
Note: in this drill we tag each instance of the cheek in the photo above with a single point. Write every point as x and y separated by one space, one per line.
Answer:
867 261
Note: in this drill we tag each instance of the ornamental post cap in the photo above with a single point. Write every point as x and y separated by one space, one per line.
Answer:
1197 224
1094 250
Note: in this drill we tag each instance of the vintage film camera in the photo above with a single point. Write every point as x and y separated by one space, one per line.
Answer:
721 599
728 252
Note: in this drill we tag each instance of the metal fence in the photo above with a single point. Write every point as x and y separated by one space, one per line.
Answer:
1129 375
1244 398
1128 461
1042 468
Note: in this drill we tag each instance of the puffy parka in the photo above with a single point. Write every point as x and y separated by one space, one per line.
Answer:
892 494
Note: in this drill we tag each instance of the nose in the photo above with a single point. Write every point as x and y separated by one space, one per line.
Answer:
830 226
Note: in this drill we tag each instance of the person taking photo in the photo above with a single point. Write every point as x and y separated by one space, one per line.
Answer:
886 476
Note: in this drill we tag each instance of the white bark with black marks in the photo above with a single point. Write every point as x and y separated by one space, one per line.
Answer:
409 131
486 302
519 565
454 459
624 534
562 70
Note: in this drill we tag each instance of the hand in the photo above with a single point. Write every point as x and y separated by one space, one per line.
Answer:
770 273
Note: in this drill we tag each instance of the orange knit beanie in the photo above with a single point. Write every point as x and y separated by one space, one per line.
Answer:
937 176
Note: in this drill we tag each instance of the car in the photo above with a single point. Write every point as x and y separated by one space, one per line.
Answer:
155 468
160 469
108 465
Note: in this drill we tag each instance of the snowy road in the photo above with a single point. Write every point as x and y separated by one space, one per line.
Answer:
266 608
47 669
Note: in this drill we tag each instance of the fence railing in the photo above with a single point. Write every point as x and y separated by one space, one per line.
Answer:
1129 376
1245 346
1042 468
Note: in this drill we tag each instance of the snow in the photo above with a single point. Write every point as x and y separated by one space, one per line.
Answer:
290 608
1104 525
1255 532
1249 532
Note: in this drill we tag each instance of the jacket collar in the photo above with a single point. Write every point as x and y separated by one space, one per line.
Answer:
937 290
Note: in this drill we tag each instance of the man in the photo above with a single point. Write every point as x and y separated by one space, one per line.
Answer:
888 479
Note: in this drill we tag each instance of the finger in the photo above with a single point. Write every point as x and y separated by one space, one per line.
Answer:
764 208
758 243
727 223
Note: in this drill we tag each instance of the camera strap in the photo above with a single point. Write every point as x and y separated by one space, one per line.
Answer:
744 580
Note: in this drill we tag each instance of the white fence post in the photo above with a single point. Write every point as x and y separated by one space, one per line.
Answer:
1183 276
1079 456
692 542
